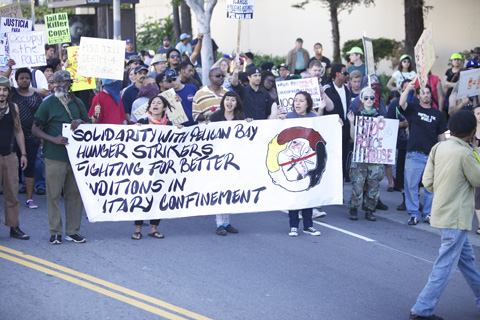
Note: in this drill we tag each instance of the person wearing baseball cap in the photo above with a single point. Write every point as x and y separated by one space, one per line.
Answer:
475 54
184 44
130 94
405 71
284 71
129 49
298 57
10 131
62 107
166 45
356 55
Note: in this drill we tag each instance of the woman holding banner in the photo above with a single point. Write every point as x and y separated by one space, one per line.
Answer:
231 109
361 174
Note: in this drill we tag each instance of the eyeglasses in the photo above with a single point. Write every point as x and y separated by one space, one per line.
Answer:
174 56
219 76
371 98
345 73
172 80
51 81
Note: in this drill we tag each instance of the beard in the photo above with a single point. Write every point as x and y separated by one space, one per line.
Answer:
62 94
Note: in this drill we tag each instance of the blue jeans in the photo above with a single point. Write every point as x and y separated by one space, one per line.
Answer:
455 250
40 170
414 166
307 218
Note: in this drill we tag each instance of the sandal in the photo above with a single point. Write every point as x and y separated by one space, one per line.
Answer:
478 231
138 236
156 235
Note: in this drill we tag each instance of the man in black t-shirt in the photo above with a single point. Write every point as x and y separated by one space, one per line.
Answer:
427 126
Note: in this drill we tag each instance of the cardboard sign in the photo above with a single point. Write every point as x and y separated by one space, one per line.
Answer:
27 48
79 82
58 29
177 114
375 140
287 89
101 58
11 11
369 57
240 9
469 83
424 55
155 172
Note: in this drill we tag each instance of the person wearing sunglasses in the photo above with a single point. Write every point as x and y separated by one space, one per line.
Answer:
173 58
207 100
362 174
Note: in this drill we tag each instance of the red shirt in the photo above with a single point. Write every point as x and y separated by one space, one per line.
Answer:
111 113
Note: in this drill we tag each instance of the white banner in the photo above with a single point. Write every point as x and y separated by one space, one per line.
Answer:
375 140
101 58
27 48
151 171
469 83
287 89
15 25
240 9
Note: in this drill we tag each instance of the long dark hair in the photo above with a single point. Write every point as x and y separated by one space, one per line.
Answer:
400 68
308 97
166 104
238 111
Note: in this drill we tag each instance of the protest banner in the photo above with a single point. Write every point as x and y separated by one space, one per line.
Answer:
369 57
101 58
176 115
287 89
155 172
27 48
375 140
424 55
58 29
11 11
240 9
79 82
469 83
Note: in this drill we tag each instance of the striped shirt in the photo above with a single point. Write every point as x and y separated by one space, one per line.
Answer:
206 102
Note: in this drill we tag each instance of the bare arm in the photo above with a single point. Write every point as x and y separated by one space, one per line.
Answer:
456 105
38 132
274 111
440 95
42 92
351 119
20 138
235 73
197 49
404 96
390 84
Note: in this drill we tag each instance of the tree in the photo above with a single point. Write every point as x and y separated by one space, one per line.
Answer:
203 13
413 23
335 7
182 18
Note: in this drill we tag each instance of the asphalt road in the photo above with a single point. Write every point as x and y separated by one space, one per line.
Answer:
354 270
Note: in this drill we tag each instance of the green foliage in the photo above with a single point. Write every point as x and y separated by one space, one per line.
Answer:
382 48
150 33
41 11
383 80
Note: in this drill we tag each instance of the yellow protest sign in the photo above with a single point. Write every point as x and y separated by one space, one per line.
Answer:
79 82
58 30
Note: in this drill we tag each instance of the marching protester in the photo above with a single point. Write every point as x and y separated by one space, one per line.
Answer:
148 90
207 100
11 132
61 108
131 92
107 105
451 163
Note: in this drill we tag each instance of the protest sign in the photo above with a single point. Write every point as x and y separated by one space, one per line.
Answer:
287 89
369 58
27 48
11 11
240 9
58 29
155 172
79 82
141 112
15 25
101 58
375 140
424 55
469 83
176 115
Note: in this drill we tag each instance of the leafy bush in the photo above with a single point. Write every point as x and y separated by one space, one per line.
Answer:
41 11
150 33
382 48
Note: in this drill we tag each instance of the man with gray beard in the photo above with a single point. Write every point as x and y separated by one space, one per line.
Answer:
62 107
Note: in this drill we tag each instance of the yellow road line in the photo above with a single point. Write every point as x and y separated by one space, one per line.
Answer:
104 283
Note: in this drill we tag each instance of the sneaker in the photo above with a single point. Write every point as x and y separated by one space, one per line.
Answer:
319 214
293 232
15 232
427 219
221 231
31 204
432 317
413 221
231 229
312 231
56 239
77 238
